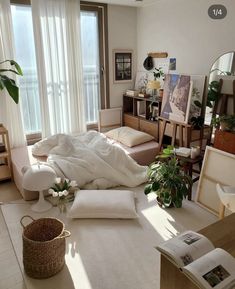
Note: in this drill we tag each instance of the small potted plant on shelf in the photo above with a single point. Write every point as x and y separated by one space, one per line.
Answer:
168 180
225 122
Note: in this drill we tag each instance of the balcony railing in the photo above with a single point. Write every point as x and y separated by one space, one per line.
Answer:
30 102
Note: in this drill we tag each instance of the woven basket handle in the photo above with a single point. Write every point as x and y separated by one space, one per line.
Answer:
65 234
26 216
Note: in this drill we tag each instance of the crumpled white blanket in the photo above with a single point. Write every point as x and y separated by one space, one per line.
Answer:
91 160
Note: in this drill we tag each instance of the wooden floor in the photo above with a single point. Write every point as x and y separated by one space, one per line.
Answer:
10 273
9 192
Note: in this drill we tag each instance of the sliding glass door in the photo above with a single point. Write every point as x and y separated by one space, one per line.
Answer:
91 64
94 57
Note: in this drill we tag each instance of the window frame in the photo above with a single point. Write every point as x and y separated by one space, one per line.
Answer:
101 9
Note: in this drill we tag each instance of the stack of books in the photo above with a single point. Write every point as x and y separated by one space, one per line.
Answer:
131 92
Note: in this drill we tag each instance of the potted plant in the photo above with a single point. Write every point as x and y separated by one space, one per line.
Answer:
9 83
213 93
168 181
158 73
225 122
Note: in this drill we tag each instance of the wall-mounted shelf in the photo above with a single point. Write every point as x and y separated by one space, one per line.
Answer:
158 54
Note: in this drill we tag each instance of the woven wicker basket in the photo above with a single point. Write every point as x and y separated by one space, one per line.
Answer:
43 247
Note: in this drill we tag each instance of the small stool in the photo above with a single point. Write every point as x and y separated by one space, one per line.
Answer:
188 166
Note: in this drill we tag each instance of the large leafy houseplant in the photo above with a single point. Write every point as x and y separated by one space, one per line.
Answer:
9 83
168 181
213 93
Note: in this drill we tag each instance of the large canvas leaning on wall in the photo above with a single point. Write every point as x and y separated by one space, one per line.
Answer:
176 97
218 167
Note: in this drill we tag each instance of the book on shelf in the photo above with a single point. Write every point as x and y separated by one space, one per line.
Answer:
141 107
208 267
131 92
145 95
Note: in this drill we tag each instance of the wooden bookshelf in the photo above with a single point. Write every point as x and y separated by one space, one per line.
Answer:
138 114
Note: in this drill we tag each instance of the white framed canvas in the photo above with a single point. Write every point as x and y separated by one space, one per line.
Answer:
122 65
197 95
218 167
142 79
176 97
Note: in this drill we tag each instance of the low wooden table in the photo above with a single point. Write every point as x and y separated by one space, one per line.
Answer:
221 234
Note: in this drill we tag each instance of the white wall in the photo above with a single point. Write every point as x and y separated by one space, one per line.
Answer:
122 35
184 29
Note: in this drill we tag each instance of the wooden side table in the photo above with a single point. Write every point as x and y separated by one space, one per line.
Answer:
188 164
221 234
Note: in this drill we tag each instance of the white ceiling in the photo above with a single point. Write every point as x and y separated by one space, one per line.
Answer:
126 2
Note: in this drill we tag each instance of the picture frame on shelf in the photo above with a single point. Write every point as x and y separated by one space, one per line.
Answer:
122 65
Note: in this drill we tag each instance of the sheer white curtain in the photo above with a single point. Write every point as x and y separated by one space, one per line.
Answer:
57 40
10 114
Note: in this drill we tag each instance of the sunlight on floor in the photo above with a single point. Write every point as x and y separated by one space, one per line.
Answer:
160 219
76 267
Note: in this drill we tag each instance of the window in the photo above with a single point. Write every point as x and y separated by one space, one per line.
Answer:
95 61
25 56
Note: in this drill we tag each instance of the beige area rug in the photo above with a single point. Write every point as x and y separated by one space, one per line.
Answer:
111 254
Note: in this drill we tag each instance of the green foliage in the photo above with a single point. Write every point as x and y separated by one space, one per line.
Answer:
168 181
220 72
157 73
197 121
213 93
7 82
63 185
228 122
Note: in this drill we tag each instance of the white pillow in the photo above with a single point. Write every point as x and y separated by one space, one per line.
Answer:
129 136
103 204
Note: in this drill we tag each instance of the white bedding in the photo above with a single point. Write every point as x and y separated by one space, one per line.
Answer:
91 160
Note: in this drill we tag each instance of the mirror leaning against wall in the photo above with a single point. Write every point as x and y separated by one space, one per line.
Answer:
221 79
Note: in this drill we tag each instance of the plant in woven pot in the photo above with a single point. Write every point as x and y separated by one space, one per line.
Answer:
168 181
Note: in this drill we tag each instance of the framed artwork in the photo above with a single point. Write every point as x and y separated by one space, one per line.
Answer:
214 170
172 64
122 63
176 97
197 95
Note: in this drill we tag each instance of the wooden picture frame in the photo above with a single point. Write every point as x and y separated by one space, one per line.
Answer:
122 65
218 167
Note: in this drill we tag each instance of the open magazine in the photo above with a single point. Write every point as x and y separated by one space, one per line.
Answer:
208 267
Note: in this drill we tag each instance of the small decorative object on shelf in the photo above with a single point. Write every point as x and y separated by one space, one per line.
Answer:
131 92
5 154
195 152
63 191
